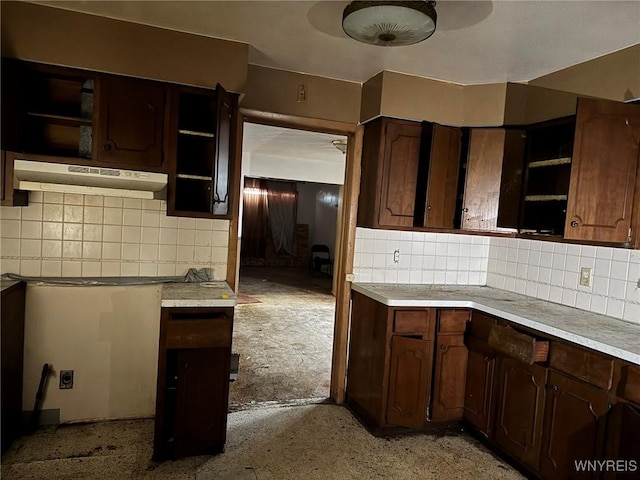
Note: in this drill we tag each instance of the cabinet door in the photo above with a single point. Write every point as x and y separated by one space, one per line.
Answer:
574 426
131 119
449 380
603 172
478 388
493 186
399 173
201 407
409 380
442 182
623 440
519 413
224 128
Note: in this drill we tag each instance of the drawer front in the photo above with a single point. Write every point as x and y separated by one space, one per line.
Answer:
517 345
198 333
480 325
452 322
630 387
591 367
413 321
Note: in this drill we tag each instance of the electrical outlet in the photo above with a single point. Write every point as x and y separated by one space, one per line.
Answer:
396 256
585 276
302 93
66 379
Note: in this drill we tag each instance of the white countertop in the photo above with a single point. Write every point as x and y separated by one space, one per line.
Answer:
215 294
605 334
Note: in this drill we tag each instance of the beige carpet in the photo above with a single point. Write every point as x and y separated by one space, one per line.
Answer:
274 442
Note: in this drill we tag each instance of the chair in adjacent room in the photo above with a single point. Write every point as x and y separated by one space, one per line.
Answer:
320 259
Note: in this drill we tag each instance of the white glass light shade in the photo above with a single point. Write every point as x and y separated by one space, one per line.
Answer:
389 23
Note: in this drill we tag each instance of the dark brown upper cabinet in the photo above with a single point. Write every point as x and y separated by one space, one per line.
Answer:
493 184
604 172
51 110
409 174
201 135
131 123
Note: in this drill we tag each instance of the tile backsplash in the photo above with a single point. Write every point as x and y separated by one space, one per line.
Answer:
540 269
91 236
551 271
422 258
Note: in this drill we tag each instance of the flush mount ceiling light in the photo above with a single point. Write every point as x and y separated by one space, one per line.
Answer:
340 145
390 23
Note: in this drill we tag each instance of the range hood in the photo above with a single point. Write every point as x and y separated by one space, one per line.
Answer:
88 180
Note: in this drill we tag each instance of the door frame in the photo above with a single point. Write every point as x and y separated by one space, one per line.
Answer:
344 254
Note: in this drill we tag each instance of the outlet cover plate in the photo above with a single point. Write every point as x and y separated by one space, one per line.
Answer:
66 379
585 276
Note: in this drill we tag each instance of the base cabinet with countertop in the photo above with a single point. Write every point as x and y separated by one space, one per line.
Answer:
194 362
542 401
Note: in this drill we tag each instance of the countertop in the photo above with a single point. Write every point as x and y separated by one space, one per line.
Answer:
605 334
4 284
215 294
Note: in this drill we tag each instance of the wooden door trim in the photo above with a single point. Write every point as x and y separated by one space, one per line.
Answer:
346 243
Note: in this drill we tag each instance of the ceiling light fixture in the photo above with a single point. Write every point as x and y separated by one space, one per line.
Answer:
340 145
390 23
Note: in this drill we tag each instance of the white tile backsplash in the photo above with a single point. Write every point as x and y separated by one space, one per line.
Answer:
88 235
545 270
424 257
554 274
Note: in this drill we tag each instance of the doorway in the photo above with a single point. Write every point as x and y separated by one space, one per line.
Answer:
289 216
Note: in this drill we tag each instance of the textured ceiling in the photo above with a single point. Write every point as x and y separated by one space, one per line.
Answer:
286 142
475 41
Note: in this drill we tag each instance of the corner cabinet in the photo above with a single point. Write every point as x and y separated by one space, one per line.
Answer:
409 174
192 398
201 141
604 174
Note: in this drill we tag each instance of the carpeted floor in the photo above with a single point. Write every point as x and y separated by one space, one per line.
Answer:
285 339
266 443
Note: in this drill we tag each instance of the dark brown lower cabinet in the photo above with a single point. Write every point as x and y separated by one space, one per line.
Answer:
193 381
574 427
479 385
519 412
409 380
623 441
449 378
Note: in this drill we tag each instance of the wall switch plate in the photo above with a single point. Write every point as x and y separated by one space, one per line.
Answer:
585 276
302 93
66 379
396 256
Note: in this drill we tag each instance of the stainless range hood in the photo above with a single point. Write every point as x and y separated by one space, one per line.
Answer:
88 180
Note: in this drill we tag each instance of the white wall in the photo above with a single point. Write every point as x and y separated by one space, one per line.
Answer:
318 207
88 235
545 270
107 335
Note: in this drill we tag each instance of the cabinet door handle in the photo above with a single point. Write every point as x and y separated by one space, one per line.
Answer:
554 388
443 347
574 224
465 210
106 147
428 207
486 358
